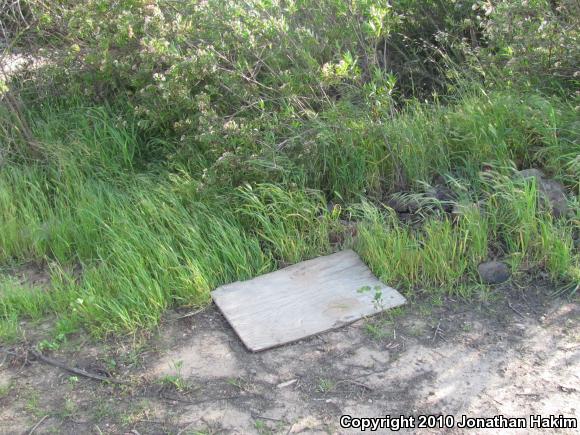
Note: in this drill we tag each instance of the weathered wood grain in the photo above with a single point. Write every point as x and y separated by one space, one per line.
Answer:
302 300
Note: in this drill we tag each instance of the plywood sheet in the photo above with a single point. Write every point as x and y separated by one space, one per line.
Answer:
302 300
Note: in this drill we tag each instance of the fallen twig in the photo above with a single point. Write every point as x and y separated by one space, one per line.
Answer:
350 381
22 355
37 424
438 331
536 395
212 399
564 389
514 310
287 383
187 426
496 401
527 302
261 417
39 356
192 313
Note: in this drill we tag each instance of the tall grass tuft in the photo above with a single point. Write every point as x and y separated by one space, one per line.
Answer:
150 232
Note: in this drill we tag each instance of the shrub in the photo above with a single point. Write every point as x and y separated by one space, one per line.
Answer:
532 40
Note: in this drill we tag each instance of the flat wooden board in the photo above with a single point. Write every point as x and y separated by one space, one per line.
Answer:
303 300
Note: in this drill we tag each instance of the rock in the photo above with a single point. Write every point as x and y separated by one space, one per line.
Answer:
555 194
459 209
444 195
493 272
530 173
408 202
552 192
403 202
347 229
405 217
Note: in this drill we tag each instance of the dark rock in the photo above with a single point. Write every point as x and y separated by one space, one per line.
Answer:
552 192
442 194
398 205
408 202
493 272
404 202
405 217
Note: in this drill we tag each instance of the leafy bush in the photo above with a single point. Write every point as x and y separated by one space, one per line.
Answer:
233 78
533 39
224 86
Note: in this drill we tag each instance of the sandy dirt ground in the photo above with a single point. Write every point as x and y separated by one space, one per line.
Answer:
514 352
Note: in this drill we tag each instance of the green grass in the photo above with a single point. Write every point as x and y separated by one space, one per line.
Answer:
150 237
352 154
443 254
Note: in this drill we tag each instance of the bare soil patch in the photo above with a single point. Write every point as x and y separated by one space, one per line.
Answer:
31 275
514 353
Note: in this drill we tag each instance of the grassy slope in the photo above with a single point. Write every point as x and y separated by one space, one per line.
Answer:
149 238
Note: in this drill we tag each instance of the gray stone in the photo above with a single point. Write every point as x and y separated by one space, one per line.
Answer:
554 194
551 191
530 173
404 202
493 272
461 208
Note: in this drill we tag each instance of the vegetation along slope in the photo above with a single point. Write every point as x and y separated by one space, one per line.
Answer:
151 150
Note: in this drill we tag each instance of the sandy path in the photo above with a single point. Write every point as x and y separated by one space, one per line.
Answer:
514 356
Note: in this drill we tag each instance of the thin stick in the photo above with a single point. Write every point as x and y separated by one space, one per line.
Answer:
186 427
213 399
496 401
261 417
192 313
527 303
515 311
76 371
37 424
438 331
350 381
